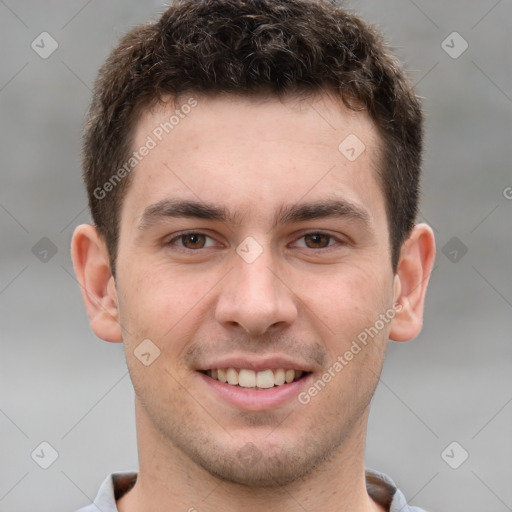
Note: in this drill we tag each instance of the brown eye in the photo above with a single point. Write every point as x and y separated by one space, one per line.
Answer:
317 240
193 240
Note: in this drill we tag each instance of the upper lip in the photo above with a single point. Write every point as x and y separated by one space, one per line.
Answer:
256 363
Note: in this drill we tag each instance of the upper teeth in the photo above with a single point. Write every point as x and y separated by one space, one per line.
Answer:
251 379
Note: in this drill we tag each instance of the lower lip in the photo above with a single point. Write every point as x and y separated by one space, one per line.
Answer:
256 400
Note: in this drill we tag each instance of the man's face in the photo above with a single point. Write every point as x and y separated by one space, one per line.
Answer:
249 240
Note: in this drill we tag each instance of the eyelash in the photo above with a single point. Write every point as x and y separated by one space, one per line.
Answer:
332 240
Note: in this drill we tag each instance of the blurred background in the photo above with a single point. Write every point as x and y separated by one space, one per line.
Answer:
441 419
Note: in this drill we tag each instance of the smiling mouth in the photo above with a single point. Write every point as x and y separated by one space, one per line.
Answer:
251 379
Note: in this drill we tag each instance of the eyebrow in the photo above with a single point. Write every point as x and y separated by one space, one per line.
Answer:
321 209
173 208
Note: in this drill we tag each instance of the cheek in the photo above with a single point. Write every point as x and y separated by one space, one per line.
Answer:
346 301
163 304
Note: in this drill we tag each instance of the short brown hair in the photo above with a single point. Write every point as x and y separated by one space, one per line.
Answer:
245 47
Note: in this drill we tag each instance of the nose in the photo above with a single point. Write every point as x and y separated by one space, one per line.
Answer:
255 298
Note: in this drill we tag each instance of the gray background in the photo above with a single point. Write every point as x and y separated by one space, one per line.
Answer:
61 385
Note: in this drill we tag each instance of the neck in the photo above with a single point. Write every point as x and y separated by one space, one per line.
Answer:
169 481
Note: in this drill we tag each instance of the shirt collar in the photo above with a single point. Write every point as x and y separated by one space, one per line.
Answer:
380 487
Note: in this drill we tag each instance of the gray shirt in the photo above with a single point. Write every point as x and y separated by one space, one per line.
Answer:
380 487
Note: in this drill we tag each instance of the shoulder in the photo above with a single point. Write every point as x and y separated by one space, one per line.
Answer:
111 489
384 491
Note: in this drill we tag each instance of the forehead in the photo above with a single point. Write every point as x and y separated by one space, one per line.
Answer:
254 155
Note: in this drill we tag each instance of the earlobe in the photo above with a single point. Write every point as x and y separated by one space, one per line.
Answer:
92 268
411 280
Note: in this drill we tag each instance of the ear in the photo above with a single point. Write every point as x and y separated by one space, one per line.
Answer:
92 268
411 280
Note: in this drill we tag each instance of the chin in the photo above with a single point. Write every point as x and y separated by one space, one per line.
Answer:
266 472
261 465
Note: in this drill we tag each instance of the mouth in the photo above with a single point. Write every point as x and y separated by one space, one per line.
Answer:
249 379
247 382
